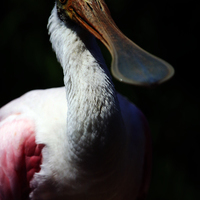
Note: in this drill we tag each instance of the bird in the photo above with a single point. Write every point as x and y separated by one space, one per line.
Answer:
83 140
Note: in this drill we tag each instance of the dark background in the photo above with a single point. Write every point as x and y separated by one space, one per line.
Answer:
167 29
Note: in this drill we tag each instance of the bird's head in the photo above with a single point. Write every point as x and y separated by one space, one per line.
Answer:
93 15
130 63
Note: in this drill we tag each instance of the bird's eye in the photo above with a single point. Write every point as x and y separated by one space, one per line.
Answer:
63 1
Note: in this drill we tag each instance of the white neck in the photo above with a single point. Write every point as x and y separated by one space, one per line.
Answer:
93 117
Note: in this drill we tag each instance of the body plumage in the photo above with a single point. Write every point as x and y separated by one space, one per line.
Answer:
81 141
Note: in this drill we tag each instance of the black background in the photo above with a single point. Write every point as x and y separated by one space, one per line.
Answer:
167 29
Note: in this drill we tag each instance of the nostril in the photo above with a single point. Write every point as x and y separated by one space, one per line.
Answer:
89 6
99 5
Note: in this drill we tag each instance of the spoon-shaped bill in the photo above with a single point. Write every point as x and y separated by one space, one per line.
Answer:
130 63
133 65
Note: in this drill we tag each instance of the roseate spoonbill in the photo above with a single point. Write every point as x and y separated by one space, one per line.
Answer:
82 141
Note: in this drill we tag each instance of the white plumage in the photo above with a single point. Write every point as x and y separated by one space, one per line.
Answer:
96 143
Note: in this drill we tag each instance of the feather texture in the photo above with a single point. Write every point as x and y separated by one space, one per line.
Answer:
93 140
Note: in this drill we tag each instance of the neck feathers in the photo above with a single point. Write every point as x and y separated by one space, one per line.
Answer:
93 110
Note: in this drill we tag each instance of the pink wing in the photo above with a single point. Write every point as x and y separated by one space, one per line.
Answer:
136 122
147 162
20 157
